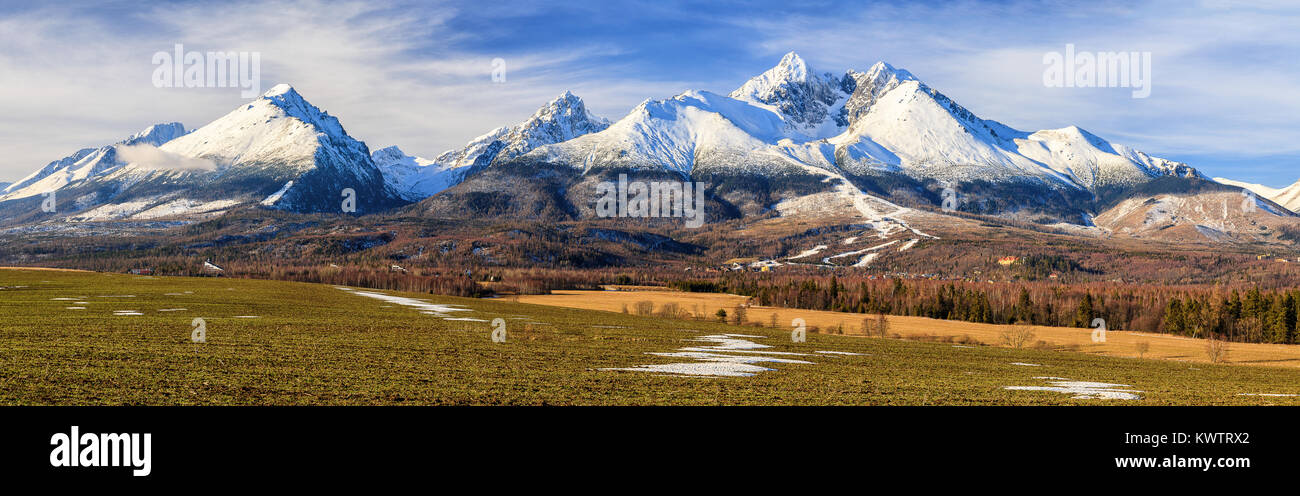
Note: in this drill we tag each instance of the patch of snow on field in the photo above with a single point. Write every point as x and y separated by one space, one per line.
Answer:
1267 394
434 309
1083 390
730 355
910 243
839 353
710 365
1022 364
123 313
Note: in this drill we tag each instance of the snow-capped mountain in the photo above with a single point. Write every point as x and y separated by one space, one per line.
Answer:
562 119
278 151
882 129
811 104
87 163
416 178
1288 197
281 138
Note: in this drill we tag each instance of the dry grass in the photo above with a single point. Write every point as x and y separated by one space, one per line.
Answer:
1118 343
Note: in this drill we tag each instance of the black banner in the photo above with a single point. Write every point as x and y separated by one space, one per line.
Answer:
401 443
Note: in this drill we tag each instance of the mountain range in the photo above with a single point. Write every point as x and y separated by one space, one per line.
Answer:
879 144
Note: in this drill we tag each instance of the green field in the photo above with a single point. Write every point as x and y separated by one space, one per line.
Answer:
317 344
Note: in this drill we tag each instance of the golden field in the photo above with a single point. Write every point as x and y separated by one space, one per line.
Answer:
1118 343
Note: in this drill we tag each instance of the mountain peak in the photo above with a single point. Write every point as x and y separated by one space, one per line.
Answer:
883 68
279 89
156 134
792 67
791 70
803 97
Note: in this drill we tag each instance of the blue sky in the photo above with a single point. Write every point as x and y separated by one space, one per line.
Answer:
1225 91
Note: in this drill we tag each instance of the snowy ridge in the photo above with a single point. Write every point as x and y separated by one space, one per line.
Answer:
884 120
87 163
280 128
415 178
562 119
1288 197
277 150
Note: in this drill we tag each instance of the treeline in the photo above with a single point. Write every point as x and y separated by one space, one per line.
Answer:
1195 311
1257 317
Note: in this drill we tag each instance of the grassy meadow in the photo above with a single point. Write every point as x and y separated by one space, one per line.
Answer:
84 338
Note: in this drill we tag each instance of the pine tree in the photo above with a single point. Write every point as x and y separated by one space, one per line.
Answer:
1083 315
1024 309
1174 321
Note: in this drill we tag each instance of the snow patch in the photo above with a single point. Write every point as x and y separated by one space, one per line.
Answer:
1082 389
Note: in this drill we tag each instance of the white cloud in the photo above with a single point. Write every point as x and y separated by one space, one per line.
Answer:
150 157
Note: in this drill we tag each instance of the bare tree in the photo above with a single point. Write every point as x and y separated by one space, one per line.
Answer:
738 315
1216 348
882 325
1017 336
1142 348
644 307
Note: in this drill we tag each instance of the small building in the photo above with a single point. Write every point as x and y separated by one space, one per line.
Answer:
211 267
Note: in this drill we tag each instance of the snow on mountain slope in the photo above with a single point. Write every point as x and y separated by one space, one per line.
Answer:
416 178
680 134
1288 197
156 135
882 120
811 104
87 163
562 119
1094 162
278 150
278 128
258 148
1206 216
938 139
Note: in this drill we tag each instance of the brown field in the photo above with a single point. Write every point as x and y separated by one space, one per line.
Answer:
53 269
1118 343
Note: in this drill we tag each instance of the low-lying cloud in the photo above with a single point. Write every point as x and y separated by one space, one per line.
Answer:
150 157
